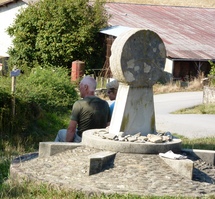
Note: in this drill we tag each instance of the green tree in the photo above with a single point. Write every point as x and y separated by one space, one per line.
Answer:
56 32
211 75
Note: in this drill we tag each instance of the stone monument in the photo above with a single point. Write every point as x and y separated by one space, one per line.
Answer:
137 62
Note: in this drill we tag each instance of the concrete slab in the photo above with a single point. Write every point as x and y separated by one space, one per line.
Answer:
99 161
47 149
183 167
207 156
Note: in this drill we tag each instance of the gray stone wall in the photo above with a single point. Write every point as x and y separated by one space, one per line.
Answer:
208 94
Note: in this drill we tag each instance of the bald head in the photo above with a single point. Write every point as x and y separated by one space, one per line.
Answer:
87 86
90 82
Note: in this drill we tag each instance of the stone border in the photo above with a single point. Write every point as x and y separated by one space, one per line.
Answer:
47 149
207 156
182 167
91 140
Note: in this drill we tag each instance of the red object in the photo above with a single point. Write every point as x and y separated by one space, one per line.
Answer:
78 69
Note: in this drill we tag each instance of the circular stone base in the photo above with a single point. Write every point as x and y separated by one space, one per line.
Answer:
94 141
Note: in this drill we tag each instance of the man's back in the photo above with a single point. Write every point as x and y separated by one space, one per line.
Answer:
90 113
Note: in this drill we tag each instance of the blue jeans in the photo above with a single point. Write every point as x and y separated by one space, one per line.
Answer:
61 136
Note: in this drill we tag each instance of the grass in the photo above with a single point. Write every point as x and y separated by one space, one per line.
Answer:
29 190
207 143
178 86
42 191
200 109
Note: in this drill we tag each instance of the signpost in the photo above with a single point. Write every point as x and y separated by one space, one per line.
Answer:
14 73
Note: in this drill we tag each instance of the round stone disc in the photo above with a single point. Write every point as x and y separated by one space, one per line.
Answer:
138 58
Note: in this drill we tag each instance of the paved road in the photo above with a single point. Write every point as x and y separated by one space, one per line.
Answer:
188 125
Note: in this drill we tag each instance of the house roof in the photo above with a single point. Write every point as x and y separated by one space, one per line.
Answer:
188 33
5 2
115 30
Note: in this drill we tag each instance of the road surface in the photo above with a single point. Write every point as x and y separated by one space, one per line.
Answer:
188 125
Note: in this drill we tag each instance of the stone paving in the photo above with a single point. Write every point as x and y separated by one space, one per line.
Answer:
140 174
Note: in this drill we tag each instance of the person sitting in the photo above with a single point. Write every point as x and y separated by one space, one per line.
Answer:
112 88
90 112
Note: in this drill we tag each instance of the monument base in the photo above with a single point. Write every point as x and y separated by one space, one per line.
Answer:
91 140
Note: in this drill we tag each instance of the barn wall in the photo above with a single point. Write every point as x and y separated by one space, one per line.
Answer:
188 70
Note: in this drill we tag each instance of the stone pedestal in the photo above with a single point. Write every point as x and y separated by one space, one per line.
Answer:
137 62
133 111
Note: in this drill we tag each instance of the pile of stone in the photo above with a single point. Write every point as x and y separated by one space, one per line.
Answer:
154 138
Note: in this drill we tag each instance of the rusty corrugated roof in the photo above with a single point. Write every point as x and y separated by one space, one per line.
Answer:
188 33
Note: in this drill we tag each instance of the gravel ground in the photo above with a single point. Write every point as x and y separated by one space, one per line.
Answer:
140 174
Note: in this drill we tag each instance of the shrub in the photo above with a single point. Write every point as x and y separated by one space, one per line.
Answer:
48 87
211 75
5 106
44 91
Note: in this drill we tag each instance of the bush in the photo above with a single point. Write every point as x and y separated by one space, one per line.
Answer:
211 75
44 91
5 108
48 87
